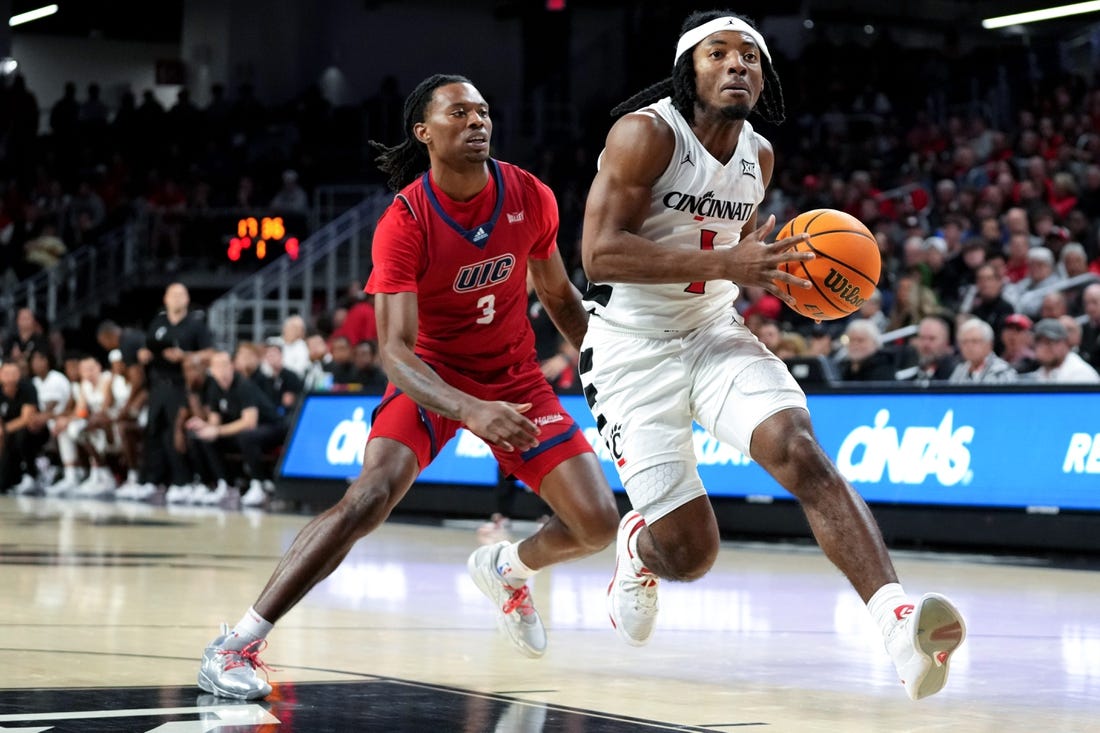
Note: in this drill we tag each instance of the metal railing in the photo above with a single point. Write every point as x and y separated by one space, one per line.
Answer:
329 201
255 308
1067 284
81 282
86 279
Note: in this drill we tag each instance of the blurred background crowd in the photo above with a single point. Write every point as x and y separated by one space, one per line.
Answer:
977 169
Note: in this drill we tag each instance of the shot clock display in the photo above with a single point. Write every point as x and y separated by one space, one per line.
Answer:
260 238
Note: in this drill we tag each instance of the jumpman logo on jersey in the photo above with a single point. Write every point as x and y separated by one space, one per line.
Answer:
687 159
748 168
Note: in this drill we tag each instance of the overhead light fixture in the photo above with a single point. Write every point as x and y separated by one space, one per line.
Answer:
30 15
1034 16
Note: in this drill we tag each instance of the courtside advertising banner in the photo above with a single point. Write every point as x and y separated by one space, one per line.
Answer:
997 449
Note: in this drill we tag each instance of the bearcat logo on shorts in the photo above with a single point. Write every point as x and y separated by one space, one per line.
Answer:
614 440
485 273
841 286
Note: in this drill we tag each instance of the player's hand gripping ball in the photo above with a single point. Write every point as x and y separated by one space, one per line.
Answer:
845 270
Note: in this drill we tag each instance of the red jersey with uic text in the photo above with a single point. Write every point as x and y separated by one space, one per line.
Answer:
467 263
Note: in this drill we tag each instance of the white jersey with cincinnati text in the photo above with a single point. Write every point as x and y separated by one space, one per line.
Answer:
697 203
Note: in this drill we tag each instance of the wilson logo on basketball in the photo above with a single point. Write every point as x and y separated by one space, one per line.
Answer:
840 285
484 274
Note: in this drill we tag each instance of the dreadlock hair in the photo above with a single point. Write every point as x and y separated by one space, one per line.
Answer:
681 85
408 159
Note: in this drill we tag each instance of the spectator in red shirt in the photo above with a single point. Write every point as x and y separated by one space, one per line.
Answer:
359 324
1016 264
1063 194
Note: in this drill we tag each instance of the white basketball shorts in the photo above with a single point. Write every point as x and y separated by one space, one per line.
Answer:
645 391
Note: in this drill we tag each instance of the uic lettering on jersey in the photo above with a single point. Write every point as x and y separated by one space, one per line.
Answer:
484 274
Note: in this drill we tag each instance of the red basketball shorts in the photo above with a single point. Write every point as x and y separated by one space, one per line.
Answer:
398 418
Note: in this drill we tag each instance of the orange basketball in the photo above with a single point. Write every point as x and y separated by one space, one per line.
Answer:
845 271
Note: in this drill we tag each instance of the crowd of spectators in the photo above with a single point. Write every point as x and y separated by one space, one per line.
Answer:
975 220
987 215
77 423
88 164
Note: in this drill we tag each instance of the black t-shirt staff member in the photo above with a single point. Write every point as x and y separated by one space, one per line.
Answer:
239 418
174 334
18 446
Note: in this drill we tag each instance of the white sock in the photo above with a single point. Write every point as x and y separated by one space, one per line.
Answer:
132 476
889 605
510 567
251 627
70 473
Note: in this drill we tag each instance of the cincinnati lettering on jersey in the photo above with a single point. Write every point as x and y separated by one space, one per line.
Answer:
484 274
707 205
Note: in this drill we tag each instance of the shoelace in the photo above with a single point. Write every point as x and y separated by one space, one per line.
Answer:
249 655
642 588
520 599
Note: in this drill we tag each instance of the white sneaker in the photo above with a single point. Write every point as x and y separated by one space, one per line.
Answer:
145 492
99 483
26 485
255 496
127 491
516 614
47 474
217 495
632 594
66 485
88 486
228 673
196 493
922 641
178 494
107 482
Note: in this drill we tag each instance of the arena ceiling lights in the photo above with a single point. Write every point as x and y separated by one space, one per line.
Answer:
1034 16
37 13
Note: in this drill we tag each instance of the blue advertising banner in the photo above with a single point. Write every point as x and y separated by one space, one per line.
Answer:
1022 449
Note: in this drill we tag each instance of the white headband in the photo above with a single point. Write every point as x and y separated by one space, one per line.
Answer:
729 23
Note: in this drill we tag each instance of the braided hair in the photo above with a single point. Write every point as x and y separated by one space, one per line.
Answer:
681 85
408 159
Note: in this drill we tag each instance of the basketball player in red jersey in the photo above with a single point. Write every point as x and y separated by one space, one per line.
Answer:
670 232
451 255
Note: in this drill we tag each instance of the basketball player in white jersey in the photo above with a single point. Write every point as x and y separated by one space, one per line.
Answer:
670 232
93 399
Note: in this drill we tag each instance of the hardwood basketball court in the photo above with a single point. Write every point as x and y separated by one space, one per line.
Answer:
105 609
